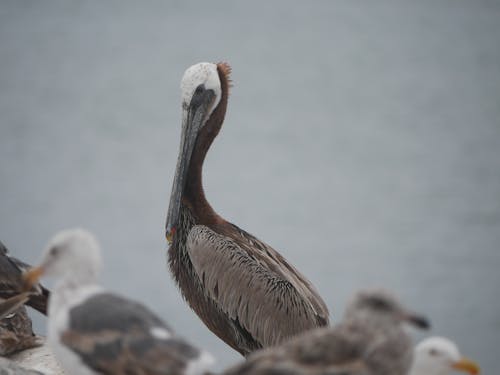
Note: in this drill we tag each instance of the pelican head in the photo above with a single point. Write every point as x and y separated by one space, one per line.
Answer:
199 78
440 356
201 93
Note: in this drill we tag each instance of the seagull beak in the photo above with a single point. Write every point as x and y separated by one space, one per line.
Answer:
417 320
31 277
466 365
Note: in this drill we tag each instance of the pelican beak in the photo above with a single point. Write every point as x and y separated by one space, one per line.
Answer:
466 365
32 276
193 118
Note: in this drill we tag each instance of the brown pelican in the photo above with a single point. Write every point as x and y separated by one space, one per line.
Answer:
242 289
370 340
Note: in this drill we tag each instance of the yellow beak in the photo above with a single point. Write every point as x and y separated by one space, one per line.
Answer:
31 277
466 365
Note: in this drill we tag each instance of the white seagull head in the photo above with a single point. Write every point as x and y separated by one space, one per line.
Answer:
440 356
72 256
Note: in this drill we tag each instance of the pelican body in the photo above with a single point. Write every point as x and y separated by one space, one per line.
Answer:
242 289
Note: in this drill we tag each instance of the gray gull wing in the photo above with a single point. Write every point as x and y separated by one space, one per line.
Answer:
114 335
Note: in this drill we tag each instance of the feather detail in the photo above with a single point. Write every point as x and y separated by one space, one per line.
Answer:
226 71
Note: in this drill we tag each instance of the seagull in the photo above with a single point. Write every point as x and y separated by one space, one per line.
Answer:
94 331
369 341
440 356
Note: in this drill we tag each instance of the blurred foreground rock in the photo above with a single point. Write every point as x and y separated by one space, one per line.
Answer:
36 359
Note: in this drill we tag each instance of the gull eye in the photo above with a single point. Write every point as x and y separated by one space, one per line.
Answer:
433 352
54 251
379 304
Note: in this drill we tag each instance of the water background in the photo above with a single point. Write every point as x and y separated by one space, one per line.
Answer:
362 141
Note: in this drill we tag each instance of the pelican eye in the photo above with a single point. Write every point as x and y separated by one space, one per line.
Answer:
198 96
199 89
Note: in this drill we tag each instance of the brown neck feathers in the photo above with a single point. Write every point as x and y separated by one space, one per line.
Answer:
194 196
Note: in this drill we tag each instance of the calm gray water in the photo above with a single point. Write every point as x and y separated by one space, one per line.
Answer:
362 141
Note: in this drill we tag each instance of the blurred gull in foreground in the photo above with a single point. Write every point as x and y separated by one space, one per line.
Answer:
369 341
440 356
91 330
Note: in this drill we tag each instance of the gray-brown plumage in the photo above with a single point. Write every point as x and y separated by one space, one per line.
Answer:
113 335
11 283
241 288
369 341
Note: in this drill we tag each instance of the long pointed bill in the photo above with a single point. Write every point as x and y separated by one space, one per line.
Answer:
466 365
12 303
32 276
193 119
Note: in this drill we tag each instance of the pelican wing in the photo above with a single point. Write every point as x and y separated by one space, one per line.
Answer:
260 292
277 264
